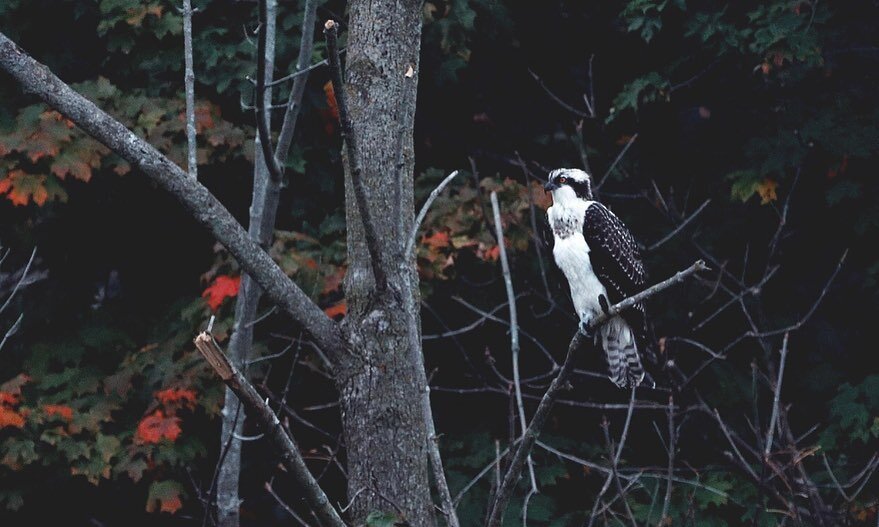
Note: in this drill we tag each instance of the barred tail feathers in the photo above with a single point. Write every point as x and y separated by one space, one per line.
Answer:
624 364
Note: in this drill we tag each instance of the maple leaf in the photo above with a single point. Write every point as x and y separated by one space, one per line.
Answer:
62 411
337 310
766 189
437 240
8 399
165 496
10 417
222 288
492 254
157 426
20 188
177 396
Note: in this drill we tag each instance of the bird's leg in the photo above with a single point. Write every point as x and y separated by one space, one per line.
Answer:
585 320
605 306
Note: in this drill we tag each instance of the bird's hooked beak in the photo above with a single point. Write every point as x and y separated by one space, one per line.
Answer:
550 186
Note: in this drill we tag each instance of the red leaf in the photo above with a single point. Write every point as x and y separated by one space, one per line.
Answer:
222 288
157 426
62 411
10 417
177 396
437 240
337 310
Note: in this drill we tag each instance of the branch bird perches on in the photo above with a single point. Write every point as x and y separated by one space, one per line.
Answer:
514 471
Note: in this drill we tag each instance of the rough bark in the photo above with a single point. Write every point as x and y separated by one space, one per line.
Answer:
379 382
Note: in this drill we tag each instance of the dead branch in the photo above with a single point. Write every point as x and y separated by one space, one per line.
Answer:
290 457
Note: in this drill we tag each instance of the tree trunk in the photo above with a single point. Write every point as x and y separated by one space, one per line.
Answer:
385 428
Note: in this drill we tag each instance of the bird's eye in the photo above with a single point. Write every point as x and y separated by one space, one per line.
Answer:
563 180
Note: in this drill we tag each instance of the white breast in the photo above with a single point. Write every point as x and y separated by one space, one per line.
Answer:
571 253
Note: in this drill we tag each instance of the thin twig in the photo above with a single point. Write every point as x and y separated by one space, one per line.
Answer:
677 229
777 389
283 504
514 328
616 161
672 436
558 100
12 330
407 252
20 281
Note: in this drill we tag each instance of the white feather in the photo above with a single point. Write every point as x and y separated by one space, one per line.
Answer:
571 252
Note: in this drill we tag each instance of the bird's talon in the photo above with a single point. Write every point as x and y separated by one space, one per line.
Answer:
587 332
605 306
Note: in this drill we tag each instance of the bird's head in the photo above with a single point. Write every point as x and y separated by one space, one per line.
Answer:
568 184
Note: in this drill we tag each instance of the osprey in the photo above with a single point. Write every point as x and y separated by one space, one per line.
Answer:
602 263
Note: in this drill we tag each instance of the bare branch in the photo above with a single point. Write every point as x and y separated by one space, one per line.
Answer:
559 101
677 229
775 402
672 437
538 421
616 161
24 272
375 254
189 82
514 331
204 207
407 252
12 330
294 102
262 124
290 457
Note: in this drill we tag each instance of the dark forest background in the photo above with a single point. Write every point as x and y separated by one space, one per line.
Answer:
752 126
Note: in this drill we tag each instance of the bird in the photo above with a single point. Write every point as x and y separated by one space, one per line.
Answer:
602 263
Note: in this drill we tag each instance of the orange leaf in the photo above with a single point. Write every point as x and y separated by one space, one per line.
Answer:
766 189
9 417
9 399
437 240
337 310
21 187
173 396
156 426
222 288
62 411
171 505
